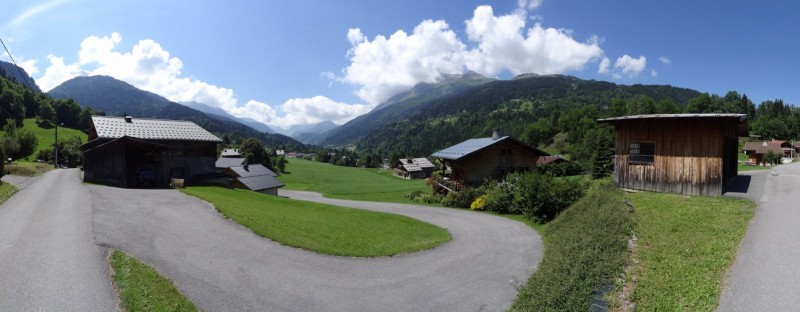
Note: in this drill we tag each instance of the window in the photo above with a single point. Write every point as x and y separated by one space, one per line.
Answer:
641 153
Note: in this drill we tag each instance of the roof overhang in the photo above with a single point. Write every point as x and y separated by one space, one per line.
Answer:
740 119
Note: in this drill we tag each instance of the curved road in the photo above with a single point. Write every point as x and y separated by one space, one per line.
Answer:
222 266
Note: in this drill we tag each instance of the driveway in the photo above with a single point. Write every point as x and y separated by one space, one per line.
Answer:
222 266
766 274
48 258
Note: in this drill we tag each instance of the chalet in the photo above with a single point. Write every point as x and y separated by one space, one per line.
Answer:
755 151
473 161
414 168
128 152
255 178
226 162
231 152
691 154
551 160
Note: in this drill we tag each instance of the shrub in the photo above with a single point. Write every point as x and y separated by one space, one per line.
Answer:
479 203
422 197
414 194
541 197
500 198
461 199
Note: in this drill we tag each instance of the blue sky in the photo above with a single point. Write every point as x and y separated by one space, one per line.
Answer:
300 62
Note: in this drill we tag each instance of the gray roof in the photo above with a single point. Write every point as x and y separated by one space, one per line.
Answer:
226 162
253 170
154 129
417 164
261 182
465 148
230 152
741 117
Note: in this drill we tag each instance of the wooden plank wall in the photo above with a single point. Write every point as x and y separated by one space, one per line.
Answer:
689 155
485 163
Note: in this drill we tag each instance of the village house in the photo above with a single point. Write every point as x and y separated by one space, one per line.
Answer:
755 151
231 152
691 154
551 160
414 168
128 152
473 161
254 177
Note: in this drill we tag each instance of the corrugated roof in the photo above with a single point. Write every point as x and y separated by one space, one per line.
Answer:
153 129
465 148
227 162
230 152
253 170
653 116
417 164
261 182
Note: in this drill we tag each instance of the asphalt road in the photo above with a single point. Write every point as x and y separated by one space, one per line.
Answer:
222 266
48 258
766 274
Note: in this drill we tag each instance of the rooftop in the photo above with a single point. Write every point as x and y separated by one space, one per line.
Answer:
227 162
253 170
741 117
154 129
465 148
261 182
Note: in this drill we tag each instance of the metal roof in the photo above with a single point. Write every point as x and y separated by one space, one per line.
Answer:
253 170
261 182
153 129
416 164
465 148
741 117
226 162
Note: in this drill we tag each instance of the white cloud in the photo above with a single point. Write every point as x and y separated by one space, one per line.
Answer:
383 66
33 11
604 65
629 66
529 4
149 67
665 60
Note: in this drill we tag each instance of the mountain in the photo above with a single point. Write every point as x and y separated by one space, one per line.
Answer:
12 72
569 104
221 113
312 128
400 106
116 97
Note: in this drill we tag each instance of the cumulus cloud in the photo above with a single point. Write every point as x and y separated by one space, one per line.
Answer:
529 4
630 66
664 60
150 67
604 65
383 66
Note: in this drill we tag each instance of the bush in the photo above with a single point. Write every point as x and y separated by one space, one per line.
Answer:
422 197
542 197
479 203
461 199
500 198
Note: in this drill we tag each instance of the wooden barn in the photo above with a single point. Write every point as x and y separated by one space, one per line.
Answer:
691 154
128 152
414 168
473 161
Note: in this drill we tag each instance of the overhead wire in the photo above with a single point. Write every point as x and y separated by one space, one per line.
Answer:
19 69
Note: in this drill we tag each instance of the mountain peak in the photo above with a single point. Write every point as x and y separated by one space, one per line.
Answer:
18 75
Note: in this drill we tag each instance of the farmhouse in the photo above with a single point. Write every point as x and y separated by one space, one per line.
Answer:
231 152
255 178
755 151
551 160
128 152
473 161
414 168
691 154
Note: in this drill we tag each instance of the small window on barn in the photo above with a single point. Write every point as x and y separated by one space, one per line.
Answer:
641 152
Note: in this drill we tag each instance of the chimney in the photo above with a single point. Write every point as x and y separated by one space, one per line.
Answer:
410 160
128 119
495 134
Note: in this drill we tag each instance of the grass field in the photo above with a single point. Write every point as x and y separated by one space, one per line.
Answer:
142 289
28 169
349 183
322 228
685 247
46 137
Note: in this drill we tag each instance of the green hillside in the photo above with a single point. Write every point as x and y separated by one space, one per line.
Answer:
46 136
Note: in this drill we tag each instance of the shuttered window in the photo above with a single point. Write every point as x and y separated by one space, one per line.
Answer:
641 152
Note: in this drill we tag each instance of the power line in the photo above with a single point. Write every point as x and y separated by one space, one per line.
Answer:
21 75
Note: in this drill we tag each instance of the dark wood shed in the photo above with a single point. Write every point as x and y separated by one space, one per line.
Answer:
128 152
691 154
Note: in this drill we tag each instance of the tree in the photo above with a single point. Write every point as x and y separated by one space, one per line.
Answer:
27 141
67 112
85 118
539 133
47 113
667 106
255 152
641 105
700 104
280 164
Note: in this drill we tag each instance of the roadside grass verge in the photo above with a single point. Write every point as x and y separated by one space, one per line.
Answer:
6 191
369 184
686 245
322 228
142 289
585 247
28 169
753 167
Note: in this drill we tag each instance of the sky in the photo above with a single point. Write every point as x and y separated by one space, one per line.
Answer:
287 63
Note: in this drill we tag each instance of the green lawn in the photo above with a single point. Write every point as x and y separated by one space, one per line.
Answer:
751 168
349 183
46 136
322 228
6 191
685 247
142 289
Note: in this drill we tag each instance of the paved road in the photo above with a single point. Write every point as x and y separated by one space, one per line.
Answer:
48 259
766 274
222 266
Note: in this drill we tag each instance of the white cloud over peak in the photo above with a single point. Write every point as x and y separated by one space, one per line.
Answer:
630 66
150 67
383 66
